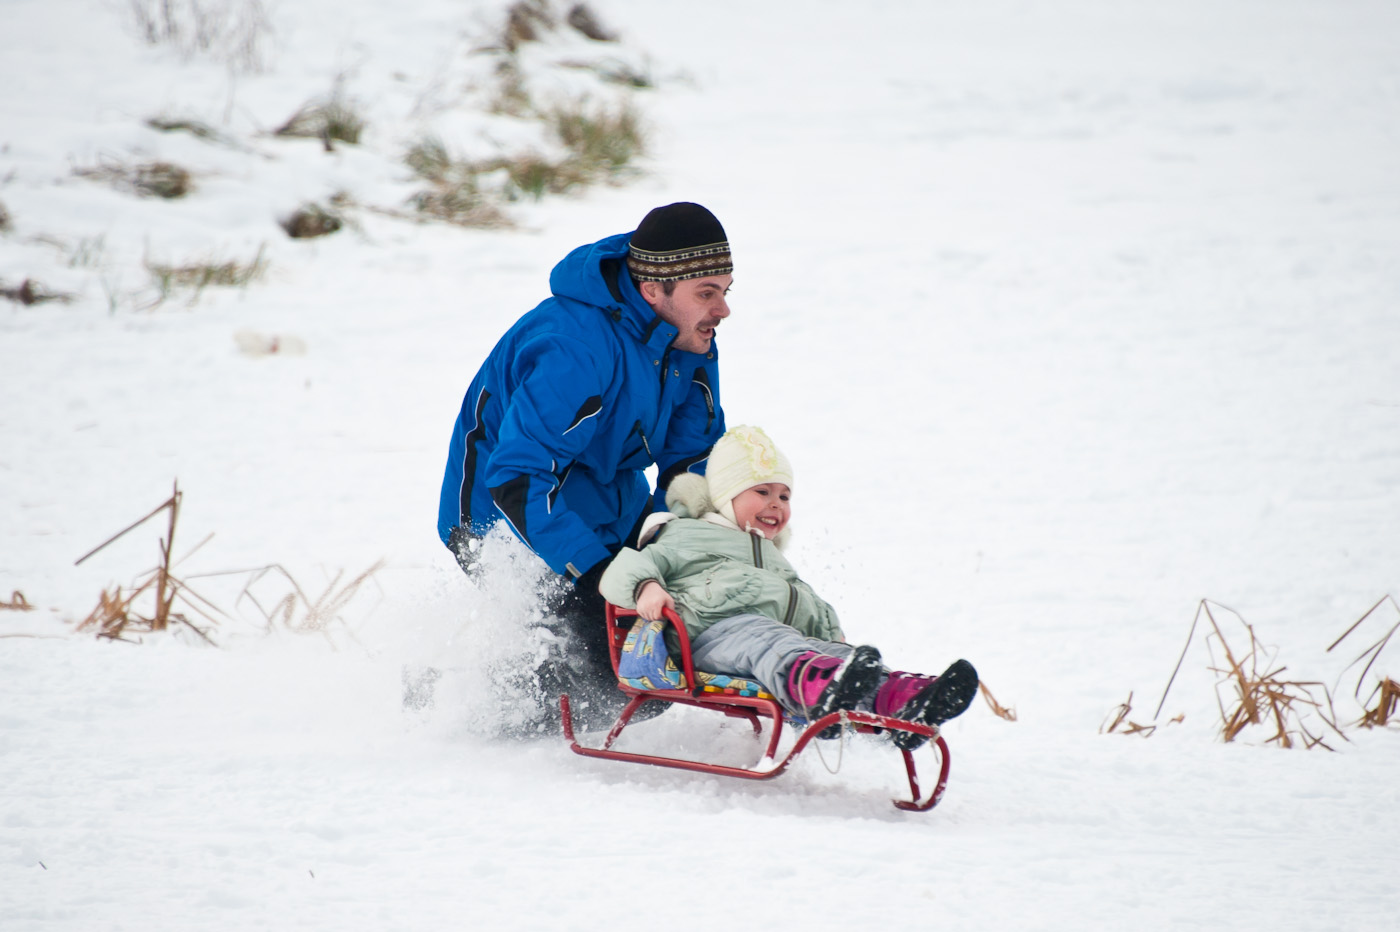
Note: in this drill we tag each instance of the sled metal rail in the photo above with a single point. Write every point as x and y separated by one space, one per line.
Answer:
753 709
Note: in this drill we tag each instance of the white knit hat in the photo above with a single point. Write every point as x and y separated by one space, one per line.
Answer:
743 458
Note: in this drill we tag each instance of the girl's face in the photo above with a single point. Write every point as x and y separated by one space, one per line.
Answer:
765 508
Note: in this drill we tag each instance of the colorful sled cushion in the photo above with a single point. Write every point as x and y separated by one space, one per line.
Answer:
645 663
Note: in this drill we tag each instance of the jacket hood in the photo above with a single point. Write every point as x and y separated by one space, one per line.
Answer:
596 274
583 274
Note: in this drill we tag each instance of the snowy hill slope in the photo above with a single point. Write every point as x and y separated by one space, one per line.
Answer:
1069 317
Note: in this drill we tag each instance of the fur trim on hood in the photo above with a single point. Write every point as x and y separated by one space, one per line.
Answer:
688 496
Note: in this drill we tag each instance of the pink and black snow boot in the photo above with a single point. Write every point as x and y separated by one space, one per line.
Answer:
822 684
927 700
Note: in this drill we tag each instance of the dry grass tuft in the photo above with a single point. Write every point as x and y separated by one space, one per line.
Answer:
329 120
17 603
309 221
117 614
1120 720
1259 695
195 128
512 95
582 18
1387 695
300 613
601 142
232 31
1386 692
199 275
148 179
30 292
5 222
999 710
526 21
454 194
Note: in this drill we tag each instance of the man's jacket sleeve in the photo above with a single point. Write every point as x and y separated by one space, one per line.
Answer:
694 428
553 414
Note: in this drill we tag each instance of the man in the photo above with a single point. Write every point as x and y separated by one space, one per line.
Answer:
615 372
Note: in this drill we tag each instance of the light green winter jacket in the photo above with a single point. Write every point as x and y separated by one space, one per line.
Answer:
714 570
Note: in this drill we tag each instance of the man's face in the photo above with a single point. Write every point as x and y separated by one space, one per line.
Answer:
695 309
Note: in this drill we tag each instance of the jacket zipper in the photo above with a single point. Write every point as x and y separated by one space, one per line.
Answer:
792 604
792 590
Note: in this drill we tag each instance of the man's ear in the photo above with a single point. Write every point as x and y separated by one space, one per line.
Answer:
652 292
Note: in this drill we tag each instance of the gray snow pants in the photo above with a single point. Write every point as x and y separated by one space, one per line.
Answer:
757 647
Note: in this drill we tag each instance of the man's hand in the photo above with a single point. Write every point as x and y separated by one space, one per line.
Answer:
653 600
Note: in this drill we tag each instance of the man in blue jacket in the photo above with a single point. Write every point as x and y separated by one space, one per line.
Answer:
615 372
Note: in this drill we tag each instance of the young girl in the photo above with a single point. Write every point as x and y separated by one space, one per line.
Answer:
716 560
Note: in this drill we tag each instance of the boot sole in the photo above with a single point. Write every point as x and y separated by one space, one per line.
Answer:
857 679
945 698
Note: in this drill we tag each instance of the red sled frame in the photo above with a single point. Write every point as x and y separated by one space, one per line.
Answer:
750 708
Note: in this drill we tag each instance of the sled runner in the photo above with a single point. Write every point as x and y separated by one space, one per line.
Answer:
629 636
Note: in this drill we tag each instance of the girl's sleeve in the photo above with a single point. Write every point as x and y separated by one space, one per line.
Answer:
628 570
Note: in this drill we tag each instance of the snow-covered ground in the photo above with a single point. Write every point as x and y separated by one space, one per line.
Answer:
1069 315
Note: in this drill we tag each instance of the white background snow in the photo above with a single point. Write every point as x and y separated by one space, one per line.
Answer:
1069 315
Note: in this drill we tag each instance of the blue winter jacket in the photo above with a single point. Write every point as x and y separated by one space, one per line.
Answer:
578 398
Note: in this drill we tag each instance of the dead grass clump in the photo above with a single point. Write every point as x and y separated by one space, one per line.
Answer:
17 603
232 31
532 175
6 224
1387 696
599 144
582 18
329 120
1386 693
461 203
193 127
511 96
430 159
454 194
117 613
161 179
199 275
148 179
294 609
601 141
526 21
999 710
1120 720
1258 693
309 221
29 292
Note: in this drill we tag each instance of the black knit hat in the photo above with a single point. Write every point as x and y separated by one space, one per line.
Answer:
677 242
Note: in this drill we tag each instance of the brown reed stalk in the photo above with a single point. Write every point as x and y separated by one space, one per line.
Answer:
1374 651
999 710
17 603
1121 720
298 612
115 611
1387 705
1263 697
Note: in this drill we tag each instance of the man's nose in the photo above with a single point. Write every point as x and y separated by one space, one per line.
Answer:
722 309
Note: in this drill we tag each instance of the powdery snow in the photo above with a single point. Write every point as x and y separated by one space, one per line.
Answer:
1069 316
